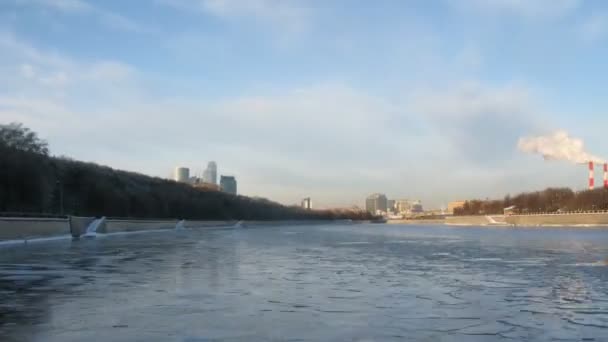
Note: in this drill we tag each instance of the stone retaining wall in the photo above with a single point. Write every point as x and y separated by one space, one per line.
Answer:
115 226
467 220
559 219
26 228
17 228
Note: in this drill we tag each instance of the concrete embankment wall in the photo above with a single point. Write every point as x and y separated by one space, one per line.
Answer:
573 219
208 224
25 228
418 222
467 220
17 228
570 219
115 226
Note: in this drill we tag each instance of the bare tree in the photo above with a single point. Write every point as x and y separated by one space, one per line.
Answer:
15 135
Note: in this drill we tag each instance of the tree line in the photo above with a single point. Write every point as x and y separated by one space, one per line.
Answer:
550 200
33 182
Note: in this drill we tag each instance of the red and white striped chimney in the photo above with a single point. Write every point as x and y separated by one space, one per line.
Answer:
606 176
591 176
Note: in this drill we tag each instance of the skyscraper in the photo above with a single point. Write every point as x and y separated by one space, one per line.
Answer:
307 203
228 184
210 173
181 174
375 203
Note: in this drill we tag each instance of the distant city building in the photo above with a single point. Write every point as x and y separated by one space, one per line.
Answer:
228 184
376 203
182 174
210 173
307 203
416 207
403 206
452 206
408 207
390 204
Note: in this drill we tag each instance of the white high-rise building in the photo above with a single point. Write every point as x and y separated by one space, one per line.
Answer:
210 173
306 203
182 174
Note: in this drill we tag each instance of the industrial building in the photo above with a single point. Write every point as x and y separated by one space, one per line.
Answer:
307 203
376 203
592 175
228 184
452 206
182 174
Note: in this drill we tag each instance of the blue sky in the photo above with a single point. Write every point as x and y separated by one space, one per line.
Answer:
327 99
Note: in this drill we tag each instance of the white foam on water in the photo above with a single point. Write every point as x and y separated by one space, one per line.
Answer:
136 232
600 263
354 243
92 228
12 242
181 224
486 259
7 243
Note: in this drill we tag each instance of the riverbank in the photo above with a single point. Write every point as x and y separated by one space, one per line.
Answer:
585 219
15 230
24 229
417 222
39 183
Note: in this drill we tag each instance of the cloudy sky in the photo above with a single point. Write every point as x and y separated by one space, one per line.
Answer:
328 99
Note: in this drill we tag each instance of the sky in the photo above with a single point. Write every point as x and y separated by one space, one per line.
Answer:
328 99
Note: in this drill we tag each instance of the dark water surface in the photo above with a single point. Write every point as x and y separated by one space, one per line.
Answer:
326 282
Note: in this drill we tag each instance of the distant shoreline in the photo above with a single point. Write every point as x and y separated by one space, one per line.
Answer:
589 219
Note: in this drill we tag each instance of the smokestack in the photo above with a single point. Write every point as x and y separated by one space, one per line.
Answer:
591 176
605 176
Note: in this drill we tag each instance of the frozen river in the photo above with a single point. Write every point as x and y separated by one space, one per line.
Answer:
298 283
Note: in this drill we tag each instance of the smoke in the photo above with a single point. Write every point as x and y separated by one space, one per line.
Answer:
558 146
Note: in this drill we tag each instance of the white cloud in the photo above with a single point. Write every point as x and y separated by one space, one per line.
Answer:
327 140
80 7
51 79
481 122
109 71
595 28
53 69
28 71
526 8
471 99
46 77
292 16
71 6
11 46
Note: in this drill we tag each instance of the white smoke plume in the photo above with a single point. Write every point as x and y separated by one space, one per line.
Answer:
558 146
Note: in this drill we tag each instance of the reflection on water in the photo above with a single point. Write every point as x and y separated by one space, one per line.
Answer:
333 282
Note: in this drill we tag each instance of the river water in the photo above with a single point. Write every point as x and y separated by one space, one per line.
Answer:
299 282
